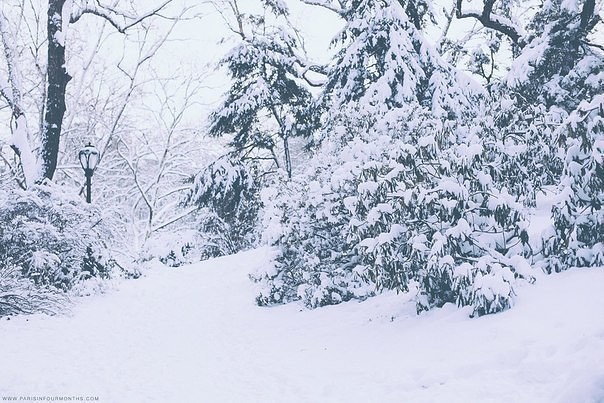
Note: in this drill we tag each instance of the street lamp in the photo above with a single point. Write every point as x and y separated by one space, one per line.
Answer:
89 157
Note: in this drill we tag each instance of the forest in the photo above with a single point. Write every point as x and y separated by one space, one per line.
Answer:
220 156
445 148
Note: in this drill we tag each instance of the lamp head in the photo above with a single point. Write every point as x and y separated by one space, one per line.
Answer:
89 158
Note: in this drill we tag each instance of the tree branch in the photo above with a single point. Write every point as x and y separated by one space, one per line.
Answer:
443 36
490 20
174 219
327 4
112 16
595 45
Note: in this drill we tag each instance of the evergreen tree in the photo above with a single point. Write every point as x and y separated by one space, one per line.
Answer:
424 181
266 105
268 102
557 59
227 194
385 62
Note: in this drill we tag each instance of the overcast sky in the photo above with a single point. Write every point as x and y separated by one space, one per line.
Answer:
198 44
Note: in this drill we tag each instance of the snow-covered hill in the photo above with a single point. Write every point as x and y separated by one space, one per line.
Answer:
194 334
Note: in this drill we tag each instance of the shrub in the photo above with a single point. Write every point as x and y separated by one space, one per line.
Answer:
577 235
406 202
227 193
20 295
52 238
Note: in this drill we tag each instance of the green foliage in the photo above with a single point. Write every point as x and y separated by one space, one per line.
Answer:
315 262
401 194
421 181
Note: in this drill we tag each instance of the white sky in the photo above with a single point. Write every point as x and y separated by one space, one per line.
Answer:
198 45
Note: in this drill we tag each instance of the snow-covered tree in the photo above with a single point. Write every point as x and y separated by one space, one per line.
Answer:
268 102
578 215
544 109
557 76
266 105
227 194
38 153
558 56
385 62
401 194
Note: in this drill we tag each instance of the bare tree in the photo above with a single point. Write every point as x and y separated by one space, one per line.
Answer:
160 156
39 163
145 122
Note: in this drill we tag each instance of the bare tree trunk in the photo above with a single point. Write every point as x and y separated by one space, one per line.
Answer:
42 164
288 160
57 83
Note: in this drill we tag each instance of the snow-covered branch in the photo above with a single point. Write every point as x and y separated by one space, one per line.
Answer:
11 93
120 20
490 20
336 7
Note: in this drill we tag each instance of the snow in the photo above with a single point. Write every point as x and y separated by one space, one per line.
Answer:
194 334
19 140
524 65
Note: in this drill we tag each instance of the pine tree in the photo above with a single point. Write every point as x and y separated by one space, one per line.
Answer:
268 102
385 62
266 105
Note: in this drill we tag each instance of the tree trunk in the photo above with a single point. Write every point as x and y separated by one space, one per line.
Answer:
288 160
57 78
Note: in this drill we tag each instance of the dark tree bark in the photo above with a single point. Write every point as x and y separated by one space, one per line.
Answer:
57 78
587 13
488 20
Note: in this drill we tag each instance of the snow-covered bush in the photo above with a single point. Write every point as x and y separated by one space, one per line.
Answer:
523 155
205 235
402 189
172 246
19 295
400 203
307 220
559 74
227 194
429 212
578 217
52 238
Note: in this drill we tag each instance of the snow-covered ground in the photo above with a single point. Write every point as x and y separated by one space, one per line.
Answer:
193 334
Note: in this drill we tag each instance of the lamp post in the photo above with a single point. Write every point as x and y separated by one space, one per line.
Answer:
89 157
